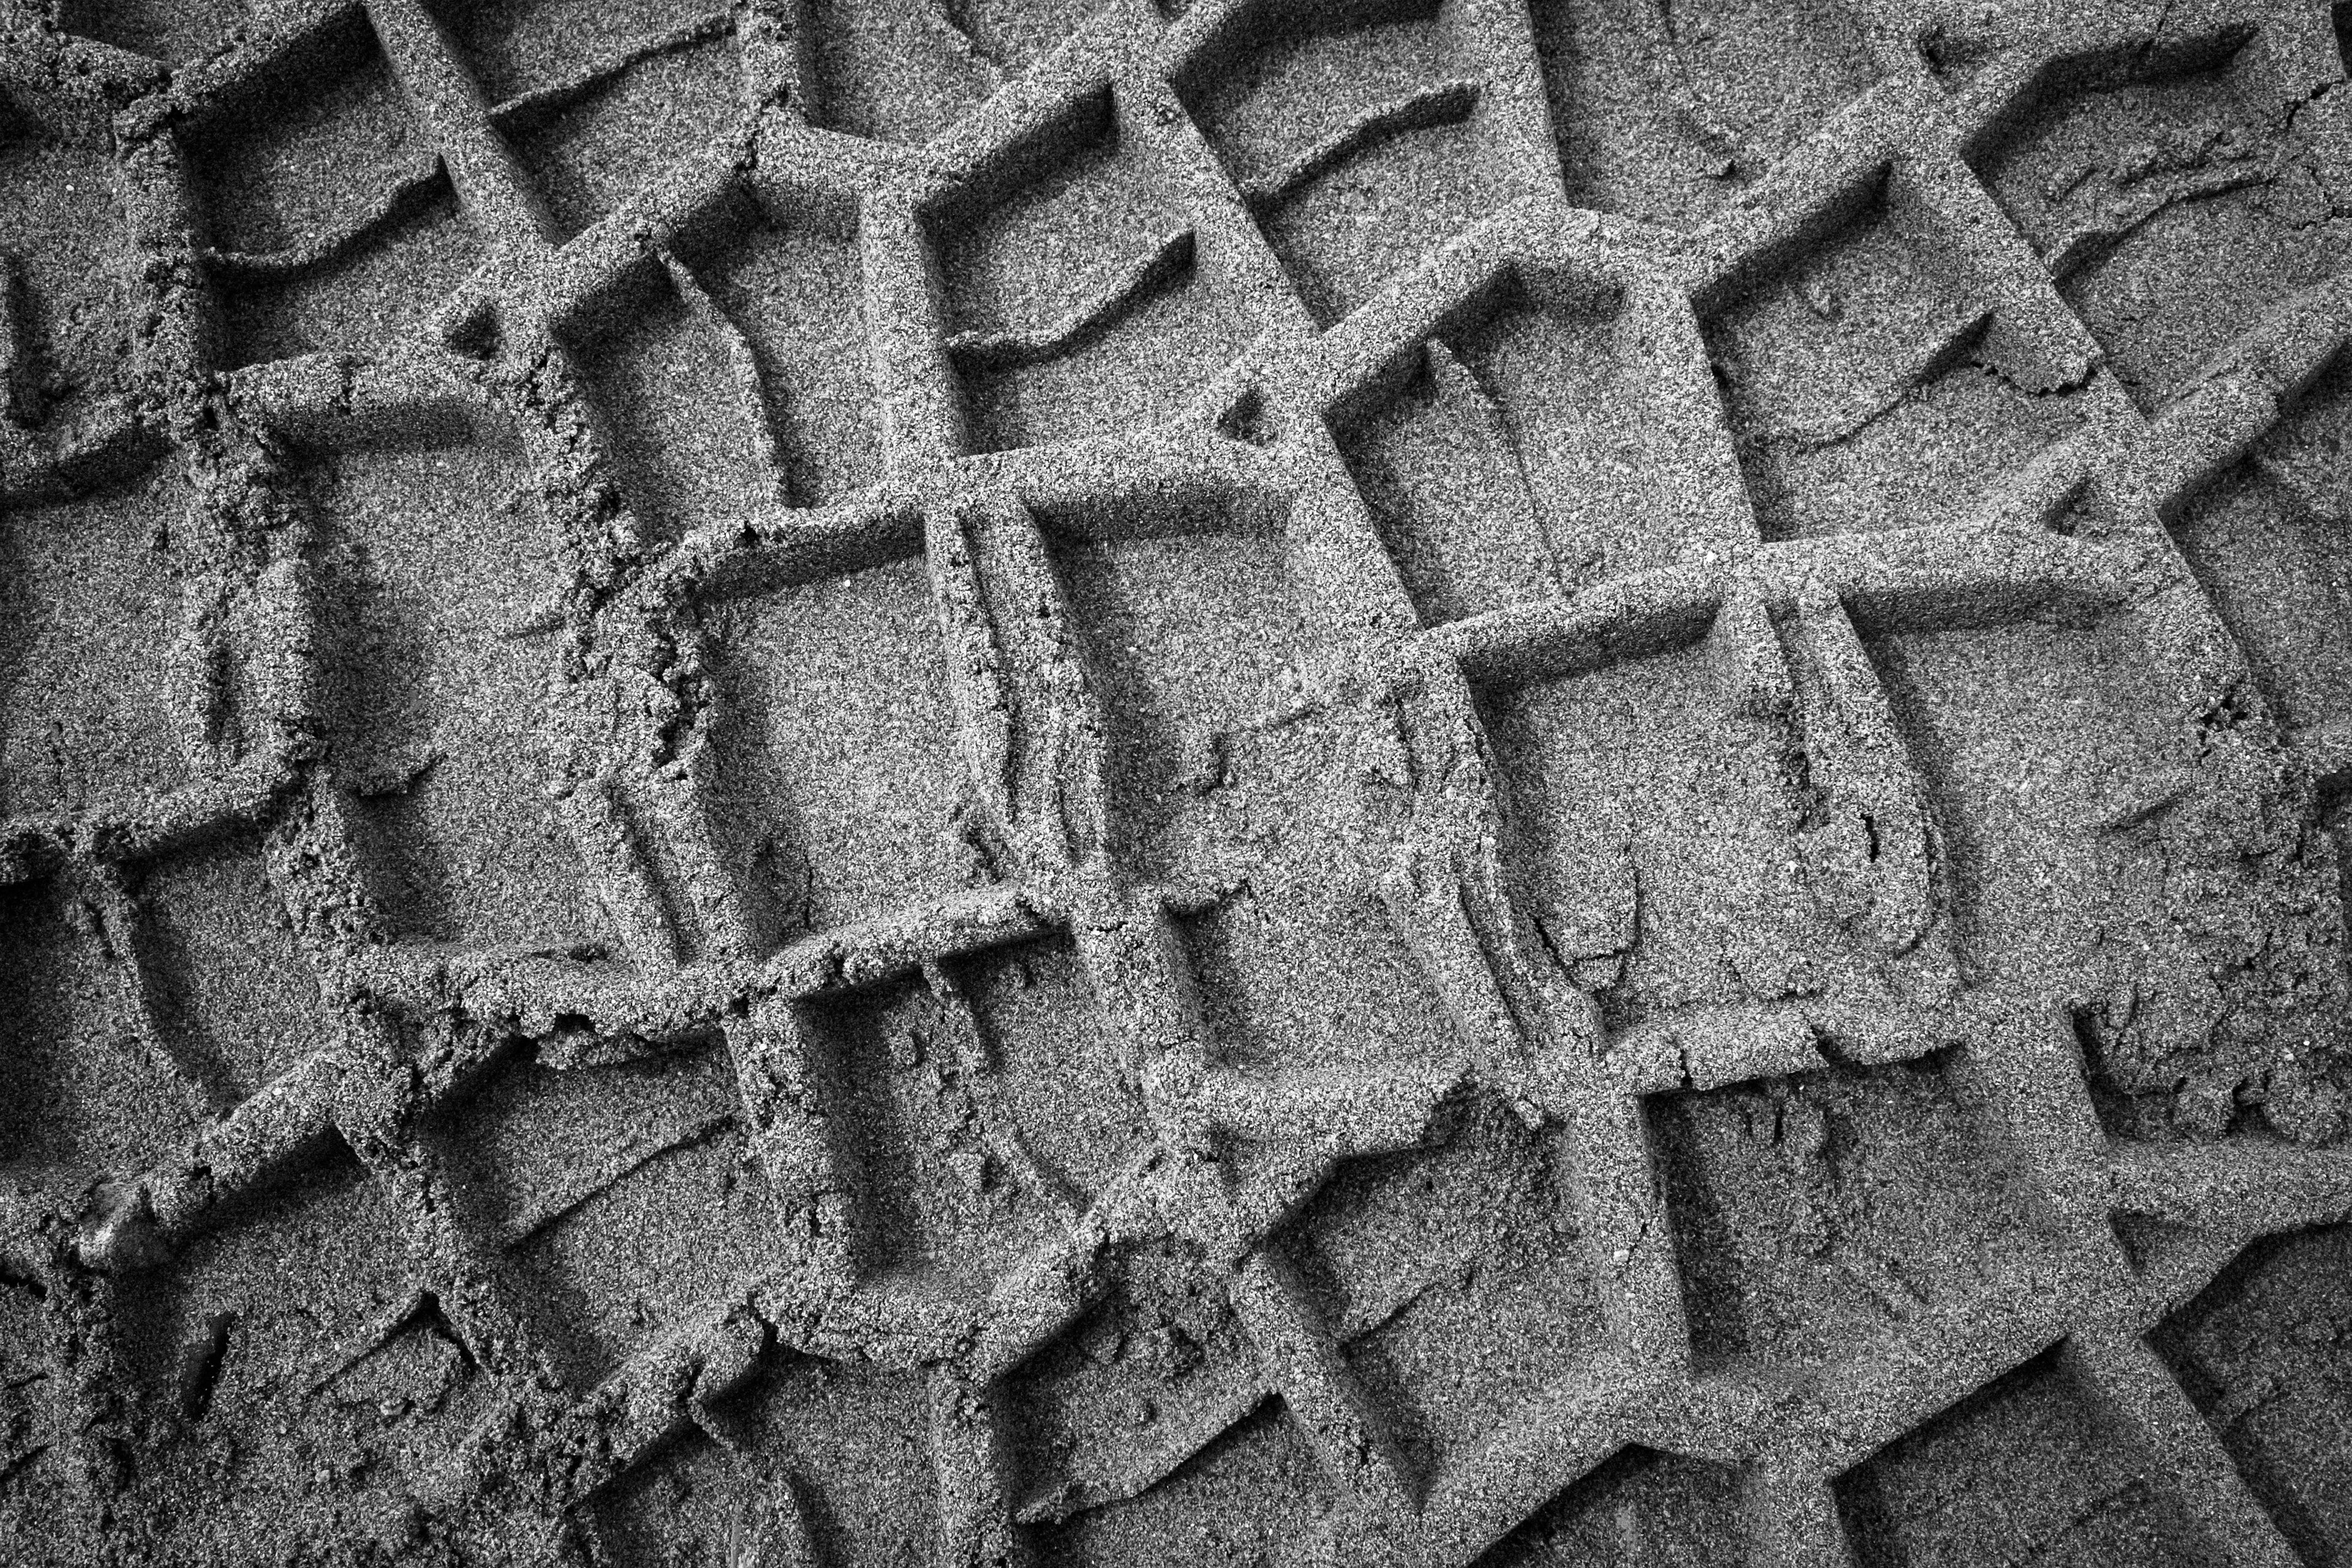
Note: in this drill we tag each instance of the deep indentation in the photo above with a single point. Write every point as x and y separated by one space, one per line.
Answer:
1360 146
1016 32
316 1277
390 285
307 151
237 1000
1817 1212
2271 543
598 98
686 459
741 380
1061 1088
1664 112
796 295
2262 1353
1658 826
2081 734
2050 806
622 1196
871 1501
838 788
68 276
102 687
937 1197
1147 1378
898 72
2139 195
1416 1257
1307 912
2020 1468
1533 453
320 196
1857 383
1084 261
172 31
518 47
1188 638
441 569
1662 1511
79 1088
1254 1488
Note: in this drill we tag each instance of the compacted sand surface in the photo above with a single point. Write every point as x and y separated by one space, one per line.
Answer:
1025 782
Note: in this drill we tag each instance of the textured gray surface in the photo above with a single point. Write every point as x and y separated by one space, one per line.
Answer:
1341 783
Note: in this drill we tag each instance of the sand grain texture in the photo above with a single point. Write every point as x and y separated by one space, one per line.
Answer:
1025 782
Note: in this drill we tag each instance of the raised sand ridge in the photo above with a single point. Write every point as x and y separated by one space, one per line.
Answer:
843 783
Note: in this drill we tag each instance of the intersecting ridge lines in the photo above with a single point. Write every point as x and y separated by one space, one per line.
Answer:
989 1183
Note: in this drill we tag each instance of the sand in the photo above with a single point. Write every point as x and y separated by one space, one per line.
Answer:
1437 782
